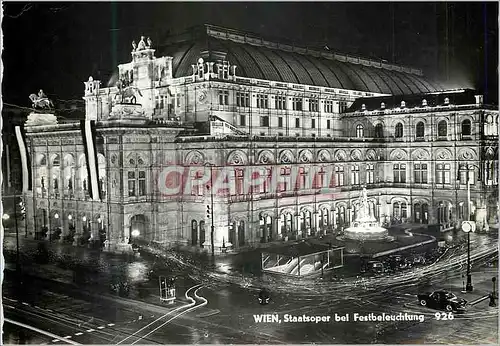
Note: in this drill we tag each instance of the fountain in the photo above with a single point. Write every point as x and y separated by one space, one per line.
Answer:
366 227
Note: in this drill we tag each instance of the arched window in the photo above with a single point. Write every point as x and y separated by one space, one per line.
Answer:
379 131
202 234
396 211
359 131
340 215
466 128
442 128
399 130
194 232
323 222
56 161
420 130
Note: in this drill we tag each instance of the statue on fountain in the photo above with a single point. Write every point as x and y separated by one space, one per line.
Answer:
365 226
364 213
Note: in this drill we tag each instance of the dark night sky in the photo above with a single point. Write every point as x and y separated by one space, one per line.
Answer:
57 46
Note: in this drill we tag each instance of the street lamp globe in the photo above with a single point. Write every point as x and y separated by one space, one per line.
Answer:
70 217
56 216
84 218
5 216
135 233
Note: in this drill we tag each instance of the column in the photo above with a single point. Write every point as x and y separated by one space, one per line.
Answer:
236 226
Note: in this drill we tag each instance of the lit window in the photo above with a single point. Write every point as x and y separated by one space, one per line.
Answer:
420 130
313 105
466 173
280 102
420 170
328 106
355 175
223 97
131 184
178 100
243 99
443 173
442 128
339 176
342 106
399 171
359 131
370 174
239 181
262 101
399 130
297 103
285 171
142 183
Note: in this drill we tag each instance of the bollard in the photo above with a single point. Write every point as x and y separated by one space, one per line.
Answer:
493 293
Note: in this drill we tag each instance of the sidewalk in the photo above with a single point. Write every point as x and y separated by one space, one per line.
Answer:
482 287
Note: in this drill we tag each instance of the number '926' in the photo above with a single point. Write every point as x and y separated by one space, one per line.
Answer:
444 316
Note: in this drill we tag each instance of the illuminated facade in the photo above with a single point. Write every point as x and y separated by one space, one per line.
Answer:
220 98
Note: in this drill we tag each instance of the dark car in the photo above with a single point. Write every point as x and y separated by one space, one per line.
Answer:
375 267
371 266
264 297
442 300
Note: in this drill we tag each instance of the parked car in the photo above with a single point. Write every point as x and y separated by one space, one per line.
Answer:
419 260
395 262
373 267
443 300
264 297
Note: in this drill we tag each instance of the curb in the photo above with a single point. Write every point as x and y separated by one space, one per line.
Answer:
478 300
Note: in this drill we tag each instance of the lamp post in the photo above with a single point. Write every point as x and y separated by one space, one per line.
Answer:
6 217
493 294
468 286
212 227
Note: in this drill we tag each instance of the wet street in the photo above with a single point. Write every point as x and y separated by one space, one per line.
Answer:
65 291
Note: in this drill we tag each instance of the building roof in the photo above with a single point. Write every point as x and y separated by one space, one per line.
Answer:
261 59
455 97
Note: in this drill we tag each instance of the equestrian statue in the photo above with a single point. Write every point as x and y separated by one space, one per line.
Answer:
41 101
128 93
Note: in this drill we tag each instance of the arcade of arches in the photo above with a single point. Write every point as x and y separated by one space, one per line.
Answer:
289 225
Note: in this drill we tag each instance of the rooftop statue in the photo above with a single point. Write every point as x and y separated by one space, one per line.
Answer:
142 44
41 101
